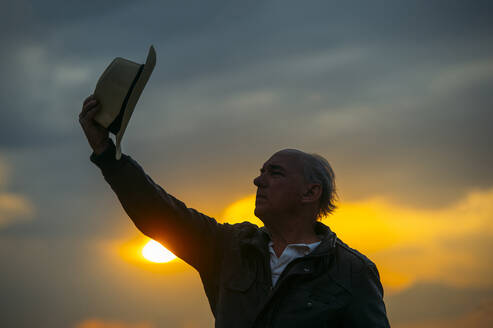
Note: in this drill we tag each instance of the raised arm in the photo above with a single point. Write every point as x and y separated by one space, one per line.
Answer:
192 236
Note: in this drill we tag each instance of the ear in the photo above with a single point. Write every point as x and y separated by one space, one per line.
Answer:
312 193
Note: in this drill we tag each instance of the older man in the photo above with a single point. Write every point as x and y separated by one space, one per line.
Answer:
292 272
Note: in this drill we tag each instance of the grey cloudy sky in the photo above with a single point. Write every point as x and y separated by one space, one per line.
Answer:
396 95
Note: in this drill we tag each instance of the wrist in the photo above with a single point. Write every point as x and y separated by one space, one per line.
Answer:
99 149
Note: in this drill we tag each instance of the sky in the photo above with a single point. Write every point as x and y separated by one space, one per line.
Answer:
396 95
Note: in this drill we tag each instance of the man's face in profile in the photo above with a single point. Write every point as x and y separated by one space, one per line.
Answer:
279 186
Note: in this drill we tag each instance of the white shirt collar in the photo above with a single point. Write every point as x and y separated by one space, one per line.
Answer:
311 246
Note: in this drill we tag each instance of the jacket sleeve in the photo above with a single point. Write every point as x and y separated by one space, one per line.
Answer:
192 236
367 308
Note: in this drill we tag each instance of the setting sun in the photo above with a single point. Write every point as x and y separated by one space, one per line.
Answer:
155 252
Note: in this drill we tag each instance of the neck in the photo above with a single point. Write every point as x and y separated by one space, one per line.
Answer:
291 232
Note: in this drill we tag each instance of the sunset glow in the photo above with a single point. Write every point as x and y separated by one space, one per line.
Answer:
155 252
409 244
396 96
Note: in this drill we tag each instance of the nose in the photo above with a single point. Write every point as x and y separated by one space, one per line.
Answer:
259 181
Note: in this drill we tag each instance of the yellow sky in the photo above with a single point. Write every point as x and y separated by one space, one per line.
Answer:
410 244
407 244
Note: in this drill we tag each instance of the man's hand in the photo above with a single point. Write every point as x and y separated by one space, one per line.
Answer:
96 134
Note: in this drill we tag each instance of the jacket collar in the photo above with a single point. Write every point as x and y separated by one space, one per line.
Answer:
261 237
329 239
339 270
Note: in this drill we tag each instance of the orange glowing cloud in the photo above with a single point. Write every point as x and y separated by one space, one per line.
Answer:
13 207
98 323
241 210
409 244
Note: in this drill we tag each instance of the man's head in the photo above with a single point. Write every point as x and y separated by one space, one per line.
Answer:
293 182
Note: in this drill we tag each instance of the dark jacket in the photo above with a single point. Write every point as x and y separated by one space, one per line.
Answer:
334 286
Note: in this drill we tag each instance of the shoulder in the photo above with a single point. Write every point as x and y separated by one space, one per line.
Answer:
243 230
357 259
358 262
362 279
355 272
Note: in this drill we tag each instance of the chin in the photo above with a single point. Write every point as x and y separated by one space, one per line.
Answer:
262 214
259 212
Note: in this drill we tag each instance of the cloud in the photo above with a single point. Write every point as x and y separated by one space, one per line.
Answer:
100 323
89 279
432 262
456 78
447 245
397 96
241 210
40 96
425 303
13 207
407 125
354 88
412 244
479 317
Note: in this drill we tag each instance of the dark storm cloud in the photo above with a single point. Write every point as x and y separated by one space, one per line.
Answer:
424 130
201 40
252 71
345 76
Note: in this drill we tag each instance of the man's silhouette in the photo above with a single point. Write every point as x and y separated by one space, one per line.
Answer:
293 272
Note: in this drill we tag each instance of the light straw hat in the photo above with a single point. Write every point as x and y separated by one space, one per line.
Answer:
118 90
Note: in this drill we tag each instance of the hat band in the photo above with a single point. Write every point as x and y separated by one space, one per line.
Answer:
115 126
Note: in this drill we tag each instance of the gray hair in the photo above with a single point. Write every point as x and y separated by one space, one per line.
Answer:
316 169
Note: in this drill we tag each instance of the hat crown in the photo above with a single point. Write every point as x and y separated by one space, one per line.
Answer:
120 72
113 86
118 90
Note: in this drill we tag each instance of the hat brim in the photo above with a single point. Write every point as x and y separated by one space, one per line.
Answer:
134 95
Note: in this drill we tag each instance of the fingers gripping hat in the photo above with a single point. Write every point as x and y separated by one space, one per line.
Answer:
118 90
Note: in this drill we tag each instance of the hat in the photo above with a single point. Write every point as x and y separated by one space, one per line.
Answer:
118 90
